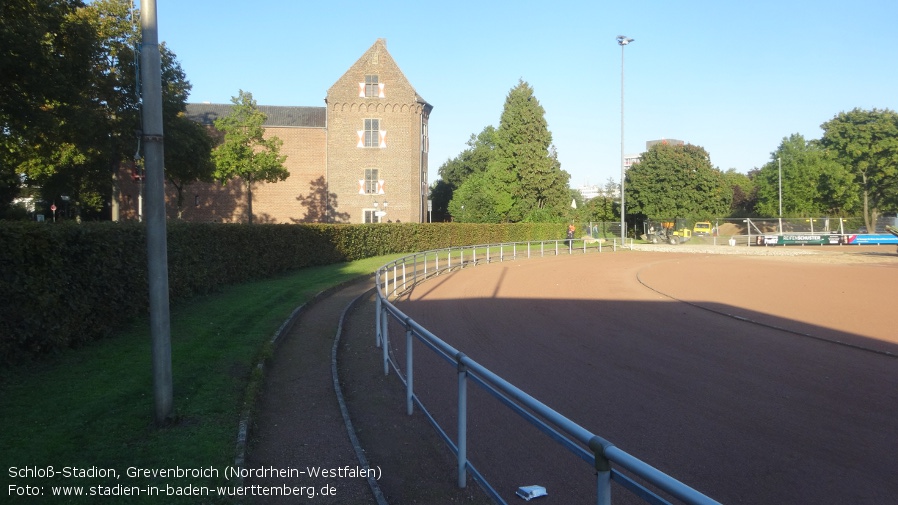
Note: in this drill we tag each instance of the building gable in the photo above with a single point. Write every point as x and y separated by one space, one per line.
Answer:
358 159
394 86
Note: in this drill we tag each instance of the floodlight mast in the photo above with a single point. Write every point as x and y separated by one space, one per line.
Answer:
622 40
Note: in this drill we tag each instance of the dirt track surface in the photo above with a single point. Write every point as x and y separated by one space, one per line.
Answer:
752 379
767 376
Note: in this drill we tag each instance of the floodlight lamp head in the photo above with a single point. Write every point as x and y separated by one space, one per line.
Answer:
624 40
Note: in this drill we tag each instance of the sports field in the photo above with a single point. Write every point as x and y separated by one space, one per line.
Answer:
754 379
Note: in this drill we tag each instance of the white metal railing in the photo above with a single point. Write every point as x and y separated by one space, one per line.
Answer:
398 277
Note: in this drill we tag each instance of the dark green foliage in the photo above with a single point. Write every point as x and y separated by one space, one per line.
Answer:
64 285
676 181
865 142
522 179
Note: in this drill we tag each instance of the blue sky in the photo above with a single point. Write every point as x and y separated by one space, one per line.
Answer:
732 77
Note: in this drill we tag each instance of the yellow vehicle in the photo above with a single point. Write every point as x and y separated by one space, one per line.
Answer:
673 232
701 228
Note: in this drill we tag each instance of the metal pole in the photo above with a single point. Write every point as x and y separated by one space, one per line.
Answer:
623 160
780 162
378 315
462 420
157 246
603 470
623 41
385 341
409 370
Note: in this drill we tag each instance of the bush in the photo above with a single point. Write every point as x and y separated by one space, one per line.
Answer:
62 285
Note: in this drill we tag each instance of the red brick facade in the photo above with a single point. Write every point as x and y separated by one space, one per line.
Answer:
327 157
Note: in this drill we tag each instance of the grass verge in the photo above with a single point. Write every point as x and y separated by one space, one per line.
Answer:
82 420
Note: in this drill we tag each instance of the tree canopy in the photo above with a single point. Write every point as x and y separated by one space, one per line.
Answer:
523 179
69 98
245 153
676 181
813 183
865 142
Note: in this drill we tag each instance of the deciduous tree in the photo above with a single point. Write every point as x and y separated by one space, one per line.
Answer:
813 184
676 181
865 142
69 102
455 171
245 153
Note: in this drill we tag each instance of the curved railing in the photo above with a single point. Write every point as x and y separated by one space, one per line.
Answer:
397 277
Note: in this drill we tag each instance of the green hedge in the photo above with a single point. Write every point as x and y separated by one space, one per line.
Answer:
62 285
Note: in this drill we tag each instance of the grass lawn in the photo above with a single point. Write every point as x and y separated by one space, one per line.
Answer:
82 418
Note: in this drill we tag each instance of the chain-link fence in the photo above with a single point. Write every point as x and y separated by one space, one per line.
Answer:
742 231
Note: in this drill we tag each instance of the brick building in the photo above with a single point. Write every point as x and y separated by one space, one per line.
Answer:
361 158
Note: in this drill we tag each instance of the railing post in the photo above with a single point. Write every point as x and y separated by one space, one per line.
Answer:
603 470
409 368
385 341
404 286
377 316
462 419
395 278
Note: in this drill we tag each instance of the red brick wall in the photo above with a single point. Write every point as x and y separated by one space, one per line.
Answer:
325 164
272 202
399 164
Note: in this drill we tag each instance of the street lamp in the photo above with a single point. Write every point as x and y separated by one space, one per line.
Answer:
622 40
779 160
380 213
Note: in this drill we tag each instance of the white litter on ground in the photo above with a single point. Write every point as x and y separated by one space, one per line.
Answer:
530 492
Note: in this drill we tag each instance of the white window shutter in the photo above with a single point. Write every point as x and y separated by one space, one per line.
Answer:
361 138
380 88
380 187
361 186
383 139
361 90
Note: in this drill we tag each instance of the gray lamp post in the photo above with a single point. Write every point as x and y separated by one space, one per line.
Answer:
623 41
780 162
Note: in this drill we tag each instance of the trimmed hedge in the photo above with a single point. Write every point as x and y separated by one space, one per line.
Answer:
62 285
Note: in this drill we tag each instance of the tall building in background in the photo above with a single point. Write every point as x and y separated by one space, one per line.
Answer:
362 158
631 159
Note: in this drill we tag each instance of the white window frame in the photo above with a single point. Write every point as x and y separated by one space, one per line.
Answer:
369 216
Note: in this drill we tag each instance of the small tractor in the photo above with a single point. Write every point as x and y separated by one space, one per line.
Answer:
672 232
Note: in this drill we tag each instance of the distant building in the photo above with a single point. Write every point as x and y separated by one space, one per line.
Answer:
631 159
588 192
673 142
362 158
